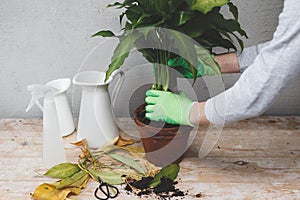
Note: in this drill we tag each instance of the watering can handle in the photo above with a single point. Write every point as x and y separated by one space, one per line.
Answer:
116 90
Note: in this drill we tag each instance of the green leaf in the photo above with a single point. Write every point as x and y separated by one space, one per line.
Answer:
149 54
183 17
128 161
140 20
229 25
121 52
144 31
105 33
175 5
207 59
121 18
77 180
63 170
119 5
128 2
187 50
170 171
192 27
232 25
116 4
216 39
234 10
133 13
159 6
204 43
241 43
128 26
205 6
109 177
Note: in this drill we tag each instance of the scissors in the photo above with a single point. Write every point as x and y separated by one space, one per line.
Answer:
106 189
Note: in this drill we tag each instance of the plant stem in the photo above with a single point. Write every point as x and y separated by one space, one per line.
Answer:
161 70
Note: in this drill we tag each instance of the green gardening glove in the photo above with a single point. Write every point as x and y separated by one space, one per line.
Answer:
168 107
182 66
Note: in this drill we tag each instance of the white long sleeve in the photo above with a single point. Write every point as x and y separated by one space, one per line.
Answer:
273 68
247 57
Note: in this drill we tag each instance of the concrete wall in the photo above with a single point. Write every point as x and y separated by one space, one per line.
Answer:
44 40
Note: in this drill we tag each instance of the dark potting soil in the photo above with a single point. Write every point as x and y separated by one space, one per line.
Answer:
165 190
159 124
144 183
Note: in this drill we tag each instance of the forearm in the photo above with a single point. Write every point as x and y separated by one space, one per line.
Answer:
197 114
233 63
228 62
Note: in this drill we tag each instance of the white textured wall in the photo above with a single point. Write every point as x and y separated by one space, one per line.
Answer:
41 40
49 39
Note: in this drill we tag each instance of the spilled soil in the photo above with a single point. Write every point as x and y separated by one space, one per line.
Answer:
165 190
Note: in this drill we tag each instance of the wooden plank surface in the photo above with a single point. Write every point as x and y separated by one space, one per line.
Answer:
253 159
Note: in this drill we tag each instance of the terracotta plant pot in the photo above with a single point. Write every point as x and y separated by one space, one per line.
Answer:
163 143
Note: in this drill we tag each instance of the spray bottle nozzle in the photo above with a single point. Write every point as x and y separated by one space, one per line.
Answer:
38 92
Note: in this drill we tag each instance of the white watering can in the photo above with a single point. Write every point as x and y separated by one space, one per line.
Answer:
96 121
57 117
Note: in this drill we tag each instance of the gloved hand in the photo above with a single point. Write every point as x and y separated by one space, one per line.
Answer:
168 107
182 66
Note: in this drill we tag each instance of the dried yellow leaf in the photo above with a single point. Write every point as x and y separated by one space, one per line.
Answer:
78 143
134 149
49 192
121 142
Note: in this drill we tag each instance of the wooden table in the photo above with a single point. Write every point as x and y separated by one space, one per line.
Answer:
253 159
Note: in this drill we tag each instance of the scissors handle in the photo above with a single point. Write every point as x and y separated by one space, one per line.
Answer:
106 188
115 190
98 197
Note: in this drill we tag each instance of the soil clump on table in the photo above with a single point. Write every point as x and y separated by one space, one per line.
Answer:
165 190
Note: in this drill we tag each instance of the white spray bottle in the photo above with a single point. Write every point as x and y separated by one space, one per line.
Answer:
57 118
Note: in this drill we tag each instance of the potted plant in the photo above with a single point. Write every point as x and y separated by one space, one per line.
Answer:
163 30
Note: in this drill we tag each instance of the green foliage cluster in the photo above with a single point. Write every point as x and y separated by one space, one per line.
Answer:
200 20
